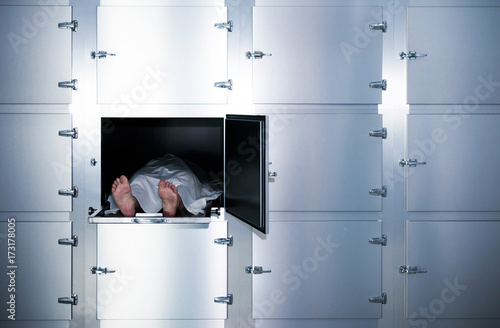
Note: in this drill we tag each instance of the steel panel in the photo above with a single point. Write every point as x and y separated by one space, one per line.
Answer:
39 162
42 270
462 270
325 162
35 54
182 68
162 271
461 66
461 153
330 275
319 55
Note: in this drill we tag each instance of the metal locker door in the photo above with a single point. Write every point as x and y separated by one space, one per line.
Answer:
460 171
325 162
331 273
161 271
38 270
38 168
134 67
461 62
454 270
35 54
327 55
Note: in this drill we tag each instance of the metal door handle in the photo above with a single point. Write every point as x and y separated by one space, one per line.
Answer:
410 269
410 163
149 220
256 270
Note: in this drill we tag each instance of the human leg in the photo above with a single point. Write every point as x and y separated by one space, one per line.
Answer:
122 194
170 198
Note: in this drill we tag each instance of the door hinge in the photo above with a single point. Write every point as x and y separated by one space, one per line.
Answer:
73 25
255 270
73 84
379 299
69 192
73 300
379 240
379 133
69 133
257 54
224 299
224 241
224 85
379 26
410 163
379 192
100 54
379 85
73 241
410 270
228 26
99 270
410 55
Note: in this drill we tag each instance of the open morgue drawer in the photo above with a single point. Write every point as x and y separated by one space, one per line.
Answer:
229 154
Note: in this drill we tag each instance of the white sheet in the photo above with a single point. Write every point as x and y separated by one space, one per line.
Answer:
194 189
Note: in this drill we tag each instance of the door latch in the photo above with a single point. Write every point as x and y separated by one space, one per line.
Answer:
224 299
410 55
379 26
100 54
257 54
379 192
73 25
379 133
379 85
73 84
99 270
73 300
255 270
378 299
73 241
410 270
410 163
379 240
228 26
224 84
69 192
224 241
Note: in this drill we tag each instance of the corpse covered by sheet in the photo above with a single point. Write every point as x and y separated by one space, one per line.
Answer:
193 184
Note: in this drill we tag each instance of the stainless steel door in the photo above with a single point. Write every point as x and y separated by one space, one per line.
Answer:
37 270
325 162
319 55
462 282
331 275
35 55
461 65
459 174
162 271
182 68
39 162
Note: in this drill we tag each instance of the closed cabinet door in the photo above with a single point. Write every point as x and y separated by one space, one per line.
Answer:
37 175
461 283
451 163
161 272
37 277
456 55
331 275
35 54
156 55
327 55
325 162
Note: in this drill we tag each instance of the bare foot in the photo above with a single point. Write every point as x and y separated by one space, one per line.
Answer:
123 196
169 197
